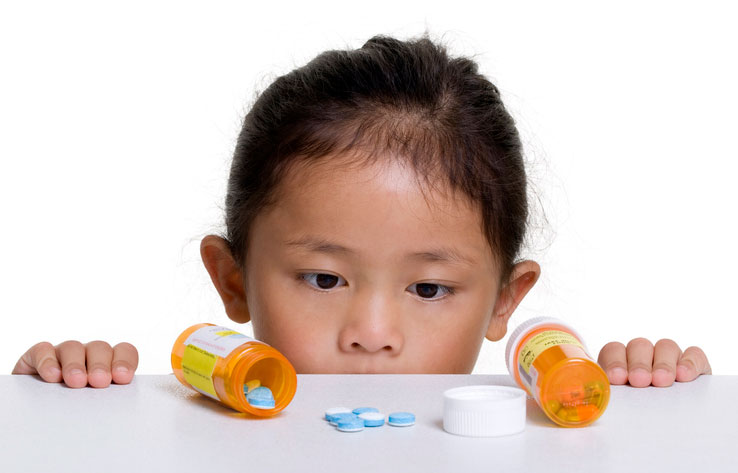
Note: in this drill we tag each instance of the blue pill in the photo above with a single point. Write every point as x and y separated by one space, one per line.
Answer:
401 419
262 392
372 419
262 403
348 424
261 398
335 410
361 410
336 418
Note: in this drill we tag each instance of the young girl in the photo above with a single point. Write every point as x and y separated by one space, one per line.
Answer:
375 210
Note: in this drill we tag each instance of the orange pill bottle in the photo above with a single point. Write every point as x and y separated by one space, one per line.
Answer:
548 359
217 362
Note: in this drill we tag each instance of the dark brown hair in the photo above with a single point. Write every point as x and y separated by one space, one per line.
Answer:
405 98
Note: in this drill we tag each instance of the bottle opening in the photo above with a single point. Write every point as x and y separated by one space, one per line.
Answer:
269 372
576 395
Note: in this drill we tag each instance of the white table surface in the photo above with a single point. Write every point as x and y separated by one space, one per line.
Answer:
157 424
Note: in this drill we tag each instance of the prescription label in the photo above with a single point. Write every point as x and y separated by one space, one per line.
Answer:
535 346
202 349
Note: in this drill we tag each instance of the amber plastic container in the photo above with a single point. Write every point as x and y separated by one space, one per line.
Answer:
217 361
548 359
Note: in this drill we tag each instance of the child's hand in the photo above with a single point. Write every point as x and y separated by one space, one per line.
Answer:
80 364
642 364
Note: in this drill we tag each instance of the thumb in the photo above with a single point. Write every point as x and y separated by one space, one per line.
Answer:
692 363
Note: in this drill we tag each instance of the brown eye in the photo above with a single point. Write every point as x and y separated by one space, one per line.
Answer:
430 291
427 290
326 281
322 280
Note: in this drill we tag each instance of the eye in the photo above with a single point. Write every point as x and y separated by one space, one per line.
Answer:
322 281
429 291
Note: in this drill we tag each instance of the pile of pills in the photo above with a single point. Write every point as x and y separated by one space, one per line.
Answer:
354 420
258 396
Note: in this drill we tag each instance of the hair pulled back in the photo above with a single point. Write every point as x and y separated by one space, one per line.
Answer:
408 98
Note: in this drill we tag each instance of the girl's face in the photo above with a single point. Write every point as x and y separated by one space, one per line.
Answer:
354 270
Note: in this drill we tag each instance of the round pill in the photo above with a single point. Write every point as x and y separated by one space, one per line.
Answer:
361 410
401 419
350 424
261 398
262 392
336 418
262 403
372 419
336 410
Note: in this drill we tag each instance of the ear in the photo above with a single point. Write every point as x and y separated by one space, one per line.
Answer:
524 275
226 276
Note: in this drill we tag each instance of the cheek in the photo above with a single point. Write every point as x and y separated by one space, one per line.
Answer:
451 346
456 353
281 319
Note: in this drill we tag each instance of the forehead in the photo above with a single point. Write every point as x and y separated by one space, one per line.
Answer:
380 208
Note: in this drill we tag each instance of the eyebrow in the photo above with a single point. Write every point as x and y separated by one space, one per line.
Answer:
433 255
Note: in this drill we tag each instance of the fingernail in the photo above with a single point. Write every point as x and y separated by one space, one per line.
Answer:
121 369
98 371
75 371
54 371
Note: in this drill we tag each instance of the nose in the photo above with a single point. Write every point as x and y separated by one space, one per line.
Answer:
372 326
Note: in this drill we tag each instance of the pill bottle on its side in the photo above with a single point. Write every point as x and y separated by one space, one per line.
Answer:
548 359
217 362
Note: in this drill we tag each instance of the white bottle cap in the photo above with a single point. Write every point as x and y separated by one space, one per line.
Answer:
484 411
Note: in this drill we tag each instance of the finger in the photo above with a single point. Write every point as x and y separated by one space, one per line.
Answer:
125 362
639 352
692 363
665 356
71 354
41 359
99 358
612 359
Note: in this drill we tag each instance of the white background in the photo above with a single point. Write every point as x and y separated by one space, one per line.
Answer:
117 125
